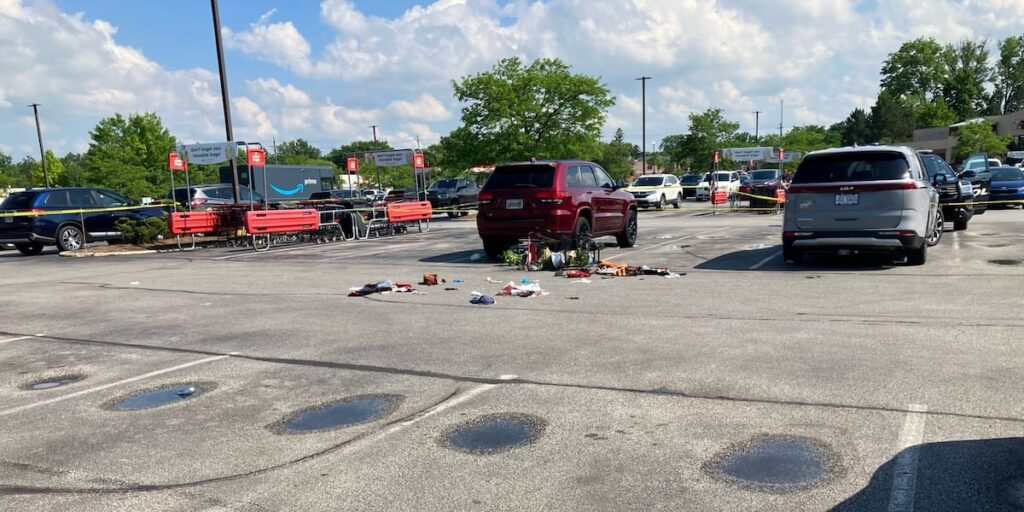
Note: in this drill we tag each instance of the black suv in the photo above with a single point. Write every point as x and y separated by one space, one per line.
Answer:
956 195
68 231
344 198
453 194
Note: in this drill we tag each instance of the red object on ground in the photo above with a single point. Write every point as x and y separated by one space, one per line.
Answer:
574 274
281 221
408 212
190 223
720 197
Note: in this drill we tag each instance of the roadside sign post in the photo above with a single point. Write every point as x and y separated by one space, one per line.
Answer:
713 183
256 157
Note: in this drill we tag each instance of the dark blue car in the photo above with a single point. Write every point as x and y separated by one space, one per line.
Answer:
1007 185
68 231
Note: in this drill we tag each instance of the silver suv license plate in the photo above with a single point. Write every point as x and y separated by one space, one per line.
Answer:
847 199
513 204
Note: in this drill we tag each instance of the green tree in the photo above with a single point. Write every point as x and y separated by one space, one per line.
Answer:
339 155
616 156
6 171
916 69
54 169
1008 76
891 119
709 131
931 113
856 130
514 112
967 72
979 137
129 155
297 152
74 170
806 139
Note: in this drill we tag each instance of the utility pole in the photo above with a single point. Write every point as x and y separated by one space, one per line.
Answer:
757 125
643 95
782 112
225 100
42 152
379 187
418 142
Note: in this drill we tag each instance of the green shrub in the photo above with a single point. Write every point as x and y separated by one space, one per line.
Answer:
143 232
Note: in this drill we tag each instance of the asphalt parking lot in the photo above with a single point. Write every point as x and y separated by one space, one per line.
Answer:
900 386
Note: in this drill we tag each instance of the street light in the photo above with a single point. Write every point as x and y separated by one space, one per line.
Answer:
643 107
42 152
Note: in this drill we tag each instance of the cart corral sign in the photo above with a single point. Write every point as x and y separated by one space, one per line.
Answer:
208 153
748 154
392 158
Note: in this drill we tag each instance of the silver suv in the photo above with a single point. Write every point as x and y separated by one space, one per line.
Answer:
874 199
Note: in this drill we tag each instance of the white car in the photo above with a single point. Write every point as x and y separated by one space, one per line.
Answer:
725 180
657 190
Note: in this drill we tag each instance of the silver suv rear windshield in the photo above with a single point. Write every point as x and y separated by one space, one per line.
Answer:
853 166
522 176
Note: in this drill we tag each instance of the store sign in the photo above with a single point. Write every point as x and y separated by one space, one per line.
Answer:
175 163
352 164
256 157
208 153
391 158
748 154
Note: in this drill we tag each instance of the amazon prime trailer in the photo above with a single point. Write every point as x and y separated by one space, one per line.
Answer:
284 182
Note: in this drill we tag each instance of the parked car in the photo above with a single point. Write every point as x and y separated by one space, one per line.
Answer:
862 199
764 183
342 198
724 180
453 194
68 231
977 171
956 197
204 197
656 190
566 197
1008 185
689 184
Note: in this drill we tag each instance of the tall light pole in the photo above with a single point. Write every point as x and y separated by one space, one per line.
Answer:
643 107
42 152
379 187
757 125
224 98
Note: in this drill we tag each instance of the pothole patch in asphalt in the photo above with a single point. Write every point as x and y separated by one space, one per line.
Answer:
494 433
776 464
1006 263
52 382
347 412
157 397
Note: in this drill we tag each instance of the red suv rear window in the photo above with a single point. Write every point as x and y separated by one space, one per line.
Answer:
522 176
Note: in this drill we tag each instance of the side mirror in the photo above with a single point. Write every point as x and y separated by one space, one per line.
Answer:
968 174
939 179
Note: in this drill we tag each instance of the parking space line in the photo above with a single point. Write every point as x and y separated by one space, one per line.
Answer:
129 380
765 261
18 338
904 478
661 244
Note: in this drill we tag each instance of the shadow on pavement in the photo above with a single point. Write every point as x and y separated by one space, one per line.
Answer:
984 474
748 259
471 256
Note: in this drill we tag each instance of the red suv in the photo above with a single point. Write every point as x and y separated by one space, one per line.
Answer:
564 197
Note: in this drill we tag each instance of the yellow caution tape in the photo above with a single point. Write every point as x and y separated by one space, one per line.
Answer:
86 210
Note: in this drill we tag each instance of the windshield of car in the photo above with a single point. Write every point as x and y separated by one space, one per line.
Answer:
691 179
1007 174
17 201
933 165
522 176
853 166
444 185
975 164
763 175
724 176
648 181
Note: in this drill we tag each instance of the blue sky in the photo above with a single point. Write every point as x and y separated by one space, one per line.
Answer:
325 70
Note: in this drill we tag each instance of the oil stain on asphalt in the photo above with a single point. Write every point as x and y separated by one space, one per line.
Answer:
157 397
343 413
494 433
52 382
776 464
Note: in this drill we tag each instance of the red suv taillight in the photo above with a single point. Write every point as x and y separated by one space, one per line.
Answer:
485 198
551 197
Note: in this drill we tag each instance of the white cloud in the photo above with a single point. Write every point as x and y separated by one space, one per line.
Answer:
271 91
424 108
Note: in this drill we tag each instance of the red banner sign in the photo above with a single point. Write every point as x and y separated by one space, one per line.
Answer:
782 155
352 164
175 163
418 161
716 157
256 157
